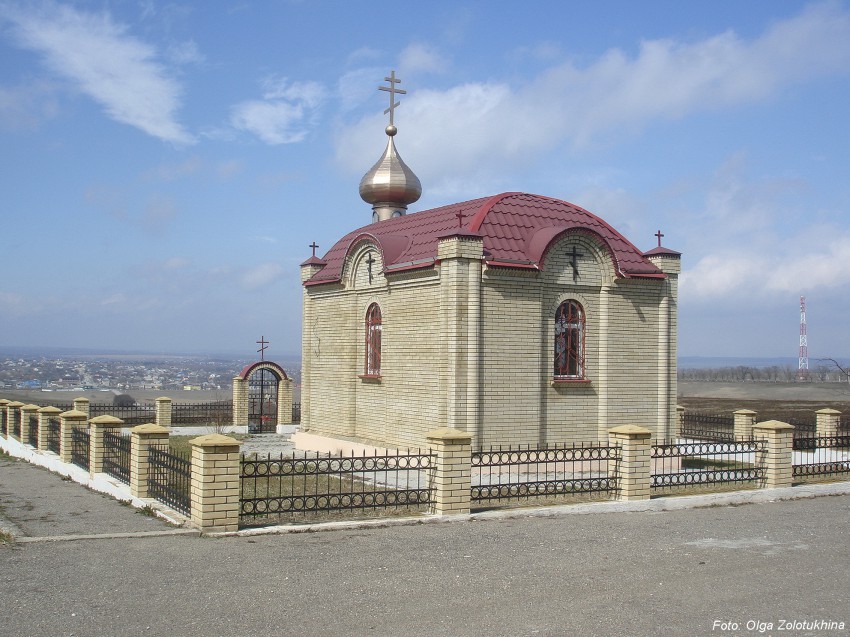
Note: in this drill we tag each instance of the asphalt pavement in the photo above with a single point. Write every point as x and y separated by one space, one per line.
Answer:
752 569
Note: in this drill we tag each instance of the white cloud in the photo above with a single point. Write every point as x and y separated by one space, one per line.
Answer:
185 53
284 115
26 107
498 125
262 275
356 87
422 58
744 274
102 60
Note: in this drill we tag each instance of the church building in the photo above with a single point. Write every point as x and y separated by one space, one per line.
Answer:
518 318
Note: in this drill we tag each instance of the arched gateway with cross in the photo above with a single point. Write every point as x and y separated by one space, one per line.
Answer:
262 395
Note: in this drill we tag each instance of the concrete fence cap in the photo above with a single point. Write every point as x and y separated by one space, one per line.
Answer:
82 399
215 440
29 407
163 399
50 409
106 419
4 402
73 413
828 412
150 428
631 430
773 424
14 404
745 412
447 433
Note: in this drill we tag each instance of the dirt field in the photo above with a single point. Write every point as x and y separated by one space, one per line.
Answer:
772 401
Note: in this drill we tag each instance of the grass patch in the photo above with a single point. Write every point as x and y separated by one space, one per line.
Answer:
180 444
6 538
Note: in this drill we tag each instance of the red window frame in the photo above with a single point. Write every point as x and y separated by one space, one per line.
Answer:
373 341
569 341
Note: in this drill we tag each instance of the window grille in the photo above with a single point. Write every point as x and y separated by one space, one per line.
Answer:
569 341
373 340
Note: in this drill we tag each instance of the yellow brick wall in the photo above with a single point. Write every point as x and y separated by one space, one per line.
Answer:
492 378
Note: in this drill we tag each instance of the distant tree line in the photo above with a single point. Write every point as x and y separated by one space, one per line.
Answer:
826 371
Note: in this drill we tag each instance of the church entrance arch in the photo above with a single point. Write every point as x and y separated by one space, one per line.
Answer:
261 384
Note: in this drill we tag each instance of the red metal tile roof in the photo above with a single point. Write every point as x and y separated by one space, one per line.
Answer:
516 229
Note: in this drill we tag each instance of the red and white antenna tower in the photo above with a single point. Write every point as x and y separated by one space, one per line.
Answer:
803 366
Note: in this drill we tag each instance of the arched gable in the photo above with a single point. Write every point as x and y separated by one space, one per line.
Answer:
274 368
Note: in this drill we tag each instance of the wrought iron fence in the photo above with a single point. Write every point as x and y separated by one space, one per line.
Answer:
33 432
702 426
170 478
218 413
80 447
677 464
821 456
844 427
116 456
803 429
279 489
296 412
131 414
514 473
53 435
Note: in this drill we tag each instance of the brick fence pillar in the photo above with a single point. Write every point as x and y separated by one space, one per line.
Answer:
216 487
163 411
777 458
83 405
44 416
13 416
634 467
827 422
68 421
97 427
142 438
28 414
452 472
745 419
284 402
679 423
4 415
240 401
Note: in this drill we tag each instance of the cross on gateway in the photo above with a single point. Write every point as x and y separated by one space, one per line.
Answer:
659 235
313 245
263 343
392 90
574 255
369 262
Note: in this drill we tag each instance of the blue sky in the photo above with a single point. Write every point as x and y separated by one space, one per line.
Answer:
166 164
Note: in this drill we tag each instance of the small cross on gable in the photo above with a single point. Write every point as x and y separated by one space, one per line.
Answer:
369 262
659 234
313 245
574 256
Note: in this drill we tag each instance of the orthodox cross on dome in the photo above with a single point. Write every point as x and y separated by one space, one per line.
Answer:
392 90
369 262
659 234
313 245
574 256
263 343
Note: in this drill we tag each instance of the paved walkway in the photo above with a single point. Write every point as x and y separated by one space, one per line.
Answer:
38 504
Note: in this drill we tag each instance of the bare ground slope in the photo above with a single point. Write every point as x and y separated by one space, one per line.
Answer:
771 400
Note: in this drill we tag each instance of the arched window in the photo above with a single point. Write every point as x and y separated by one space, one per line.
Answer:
373 340
569 341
